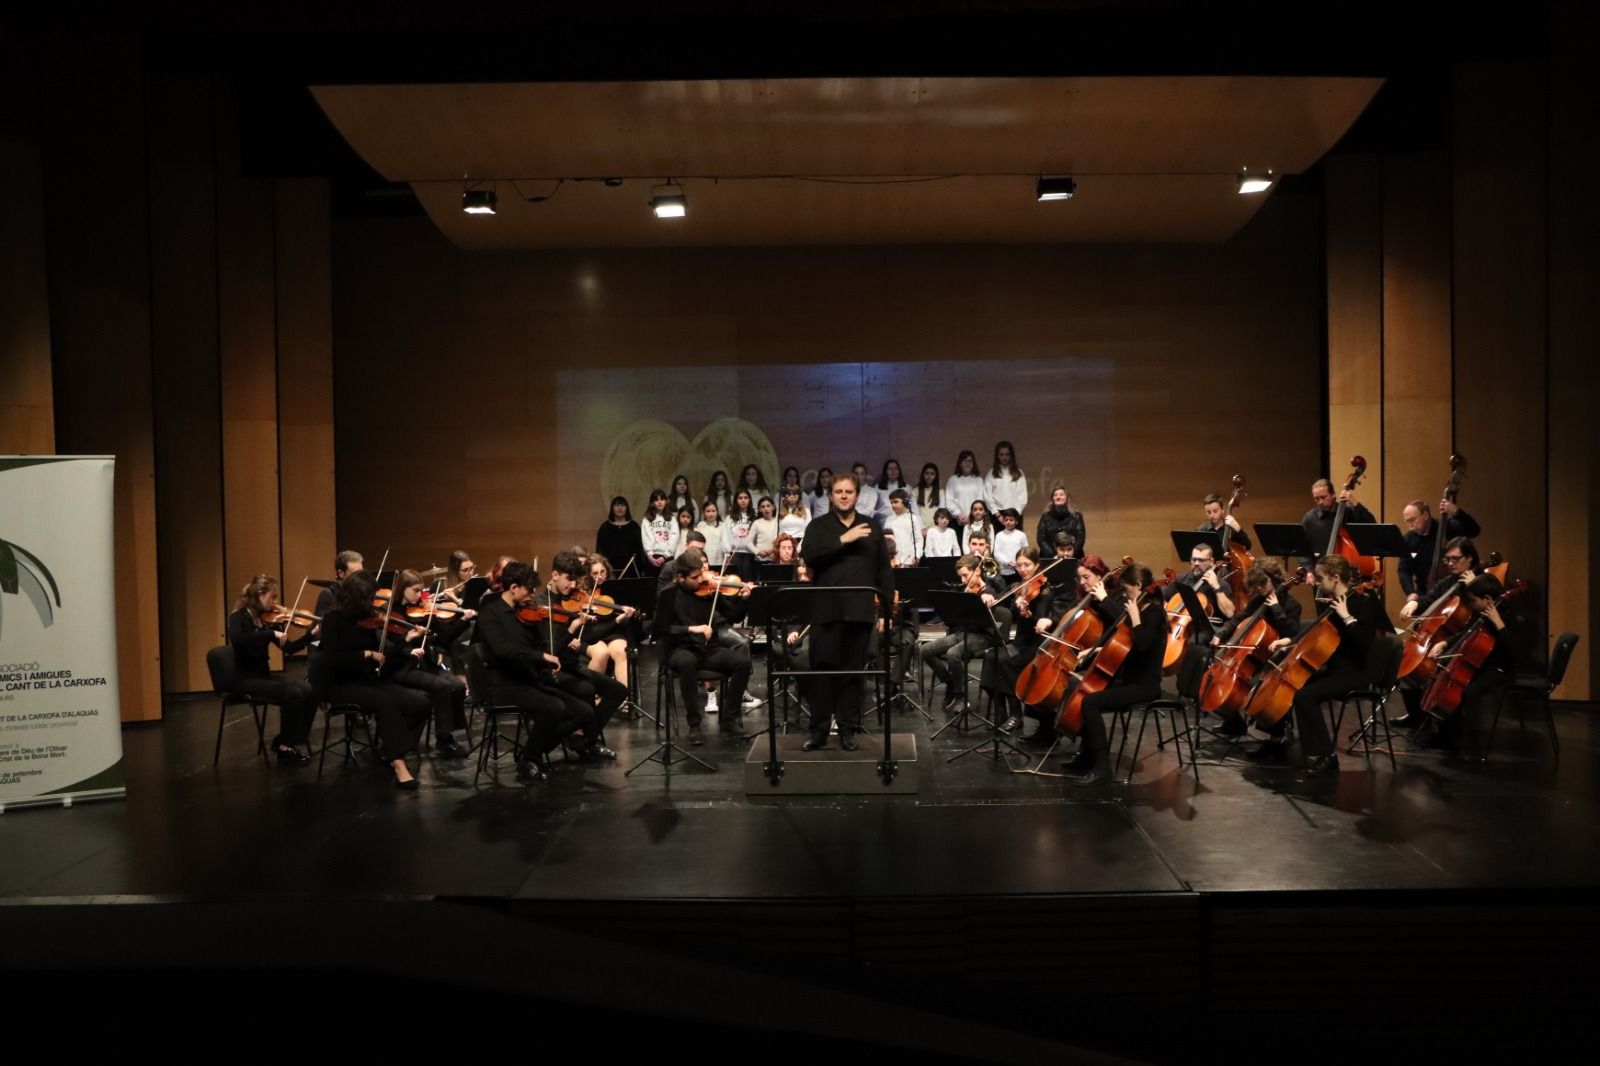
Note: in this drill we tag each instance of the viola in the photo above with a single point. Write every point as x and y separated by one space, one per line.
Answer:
1226 684
1368 566
1461 663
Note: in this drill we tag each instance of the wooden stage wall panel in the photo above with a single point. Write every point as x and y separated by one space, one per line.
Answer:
27 409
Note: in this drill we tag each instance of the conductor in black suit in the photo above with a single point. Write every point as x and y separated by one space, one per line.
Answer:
843 548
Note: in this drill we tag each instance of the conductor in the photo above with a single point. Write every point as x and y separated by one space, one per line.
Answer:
843 548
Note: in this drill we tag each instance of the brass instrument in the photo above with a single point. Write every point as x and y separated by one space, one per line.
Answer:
989 566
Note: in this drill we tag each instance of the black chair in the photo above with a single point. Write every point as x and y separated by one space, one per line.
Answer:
1190 671
1383 675
493 743
1538 687
222 665
356 720
667 692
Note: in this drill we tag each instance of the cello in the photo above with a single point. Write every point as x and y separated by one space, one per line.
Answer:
1100 668
1441 621
1045 679
1226 685
1179 622
1460 664
1369 567
1274 694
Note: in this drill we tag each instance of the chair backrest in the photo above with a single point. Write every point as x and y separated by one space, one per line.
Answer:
1191 670
222 665
1383 661
477 674
1559 657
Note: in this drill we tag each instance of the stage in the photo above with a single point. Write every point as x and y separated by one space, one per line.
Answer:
985 887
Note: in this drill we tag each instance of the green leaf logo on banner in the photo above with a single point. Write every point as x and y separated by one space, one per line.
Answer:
22 572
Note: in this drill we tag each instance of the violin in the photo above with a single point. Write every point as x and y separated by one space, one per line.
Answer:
1460 664
712 584
1226 684
395 626
1045 679
436 607
1368 566
286 616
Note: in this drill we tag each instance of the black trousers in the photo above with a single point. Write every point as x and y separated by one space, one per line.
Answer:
838 646
400 713
1309 722
585 686
686 660
948 657
552 716
1113 697
297 705
447 694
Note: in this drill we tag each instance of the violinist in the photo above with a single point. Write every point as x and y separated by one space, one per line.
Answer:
1217 521
1481 596
1061 517
407 663
447 631
1002 664
1461 565
686 624
618 537
462 570
843 548
346 669
1421 531
602 695
695 541
1318 522
1282 613
519 670
252 630
906 527
1138 680
948 656
1202 577
344 564
606 639
1359 619
657 531
785 550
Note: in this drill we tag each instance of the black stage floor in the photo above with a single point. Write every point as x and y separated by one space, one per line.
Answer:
1152 894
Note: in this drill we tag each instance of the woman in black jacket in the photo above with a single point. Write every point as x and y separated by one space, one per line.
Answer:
251 636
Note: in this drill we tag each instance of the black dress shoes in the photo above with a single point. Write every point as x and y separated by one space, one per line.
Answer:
1043 737
1322 765
696 737
288 756
451 750
1095 775
529 773
1272 751
1233 726
814 745
847 743
1010 725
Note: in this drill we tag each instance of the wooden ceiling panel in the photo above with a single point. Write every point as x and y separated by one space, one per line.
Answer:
1154 157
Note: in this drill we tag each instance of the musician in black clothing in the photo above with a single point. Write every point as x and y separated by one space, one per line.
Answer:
253 676
1202 577
1359 618
1493 677
1282 613
1003 664
1065 576
1422 531
1318 522
843 548
1219 522
344 564
601 694
667 576
948 656
345 669
1138 680
686 628
410 663
519 670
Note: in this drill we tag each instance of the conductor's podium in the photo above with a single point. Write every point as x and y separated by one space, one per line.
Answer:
831 770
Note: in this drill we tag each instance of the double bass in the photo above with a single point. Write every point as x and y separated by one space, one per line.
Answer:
1225 688
1239 558
1460 664
1369 567
1458 464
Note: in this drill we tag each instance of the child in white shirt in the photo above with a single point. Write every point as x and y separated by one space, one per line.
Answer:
905 526
939 541
1008 542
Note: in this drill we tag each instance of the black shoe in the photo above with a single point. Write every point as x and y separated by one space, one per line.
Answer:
1408 720
1233 726
1319 765
847 743
1271 751
1011 725
601 752
451 750
288 756
530 773
407 786
956 707
696 737
1080 762
1095 775
814 744
1043 737
732 729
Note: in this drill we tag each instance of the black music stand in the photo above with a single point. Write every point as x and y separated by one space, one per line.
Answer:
1196 609
384 579
758 615
964 611
472 591
640 593
776 573
912 584
1063 576
1378 538
1286 539
1184 540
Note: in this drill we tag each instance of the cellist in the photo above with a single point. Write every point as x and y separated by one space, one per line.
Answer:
1359 619
1481 597
1318 522
1282 613
1138 680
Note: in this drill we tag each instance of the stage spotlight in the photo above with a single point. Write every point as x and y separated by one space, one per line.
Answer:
478 201
1249 183
1055 189
669 201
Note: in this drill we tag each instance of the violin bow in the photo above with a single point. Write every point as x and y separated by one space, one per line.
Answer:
388 613
631 560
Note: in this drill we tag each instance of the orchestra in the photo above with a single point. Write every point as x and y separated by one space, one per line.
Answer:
1071 640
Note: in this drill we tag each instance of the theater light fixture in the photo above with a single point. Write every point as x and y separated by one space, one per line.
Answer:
1249 183
669 200
478 201
1055 189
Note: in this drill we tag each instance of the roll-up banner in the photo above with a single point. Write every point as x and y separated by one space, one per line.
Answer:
60 719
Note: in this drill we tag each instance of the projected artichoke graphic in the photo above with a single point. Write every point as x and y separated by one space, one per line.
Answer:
22 572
